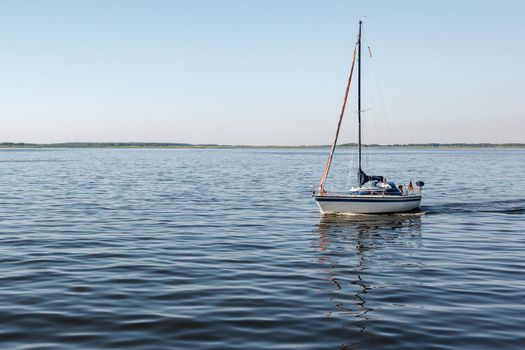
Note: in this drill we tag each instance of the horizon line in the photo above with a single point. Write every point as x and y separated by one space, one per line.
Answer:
135 144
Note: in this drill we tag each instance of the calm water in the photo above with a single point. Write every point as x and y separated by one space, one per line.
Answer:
225 249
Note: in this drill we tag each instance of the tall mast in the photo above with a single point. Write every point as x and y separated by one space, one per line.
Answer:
359 91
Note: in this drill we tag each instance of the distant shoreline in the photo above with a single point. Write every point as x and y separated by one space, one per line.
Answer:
187 145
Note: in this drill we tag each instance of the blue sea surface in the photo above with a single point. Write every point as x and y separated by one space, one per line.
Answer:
226 249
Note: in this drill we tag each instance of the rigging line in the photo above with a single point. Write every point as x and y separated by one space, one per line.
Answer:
376 80
352 148
370 121
373 119
329 160
353 160
382 103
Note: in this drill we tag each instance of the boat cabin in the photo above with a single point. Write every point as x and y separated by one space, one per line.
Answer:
377 188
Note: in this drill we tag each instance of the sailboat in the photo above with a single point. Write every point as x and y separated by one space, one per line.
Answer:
373 195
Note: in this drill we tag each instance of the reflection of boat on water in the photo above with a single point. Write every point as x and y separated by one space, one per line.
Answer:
350 247
353 236
368 227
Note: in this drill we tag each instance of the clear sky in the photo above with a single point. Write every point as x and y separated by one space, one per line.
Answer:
260 72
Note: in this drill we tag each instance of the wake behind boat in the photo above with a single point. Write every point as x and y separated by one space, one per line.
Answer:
373 195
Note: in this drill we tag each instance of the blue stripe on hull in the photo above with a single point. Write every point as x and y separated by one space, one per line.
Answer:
348 199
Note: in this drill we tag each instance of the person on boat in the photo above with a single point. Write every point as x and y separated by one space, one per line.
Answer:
410 187
401 189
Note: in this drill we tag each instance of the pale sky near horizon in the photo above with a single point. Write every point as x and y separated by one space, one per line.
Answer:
260 72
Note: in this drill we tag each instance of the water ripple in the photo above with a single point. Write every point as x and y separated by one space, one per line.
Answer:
224 249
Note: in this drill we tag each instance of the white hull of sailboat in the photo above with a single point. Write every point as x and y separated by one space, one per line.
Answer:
367 204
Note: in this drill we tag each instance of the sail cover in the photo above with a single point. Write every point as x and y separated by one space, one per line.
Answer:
364 178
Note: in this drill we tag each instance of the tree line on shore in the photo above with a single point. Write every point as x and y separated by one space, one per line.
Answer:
189 145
